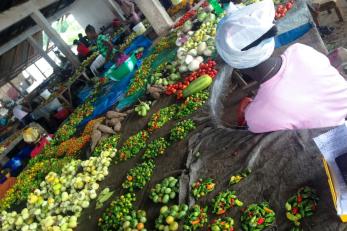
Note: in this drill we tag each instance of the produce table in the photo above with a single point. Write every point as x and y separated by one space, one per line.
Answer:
15 141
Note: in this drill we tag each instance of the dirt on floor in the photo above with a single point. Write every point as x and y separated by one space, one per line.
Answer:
338 37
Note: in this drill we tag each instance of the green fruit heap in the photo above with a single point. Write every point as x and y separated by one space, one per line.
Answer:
301 205
169 217
164 191
196 219
192 104
135 221
165 74
181 130
143 108
113 217
160 118
133 145
222 224
224 201
239 176
202 187
155 148
138 177
257 217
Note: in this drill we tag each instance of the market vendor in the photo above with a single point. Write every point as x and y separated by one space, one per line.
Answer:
299 89
103 43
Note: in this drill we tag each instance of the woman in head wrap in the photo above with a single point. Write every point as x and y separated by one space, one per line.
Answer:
299 89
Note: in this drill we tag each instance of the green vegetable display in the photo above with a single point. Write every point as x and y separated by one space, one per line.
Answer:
135 221
165 74
239 176
202 187
224 201
155 148
222 224
196 219
181 130
197 85
165 191
103 197
143 108
114 216
302 204
192 104
257 217
169 217
133 145
160 118
138 177
106 144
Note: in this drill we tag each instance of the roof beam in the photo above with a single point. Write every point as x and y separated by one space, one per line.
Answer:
29 32
17 13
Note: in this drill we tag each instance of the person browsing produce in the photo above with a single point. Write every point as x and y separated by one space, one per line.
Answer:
299 89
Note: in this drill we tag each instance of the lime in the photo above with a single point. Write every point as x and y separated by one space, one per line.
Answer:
170 219
174 226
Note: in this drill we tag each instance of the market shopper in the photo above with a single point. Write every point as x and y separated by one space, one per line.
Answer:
82 50
129 9
83 39
298 90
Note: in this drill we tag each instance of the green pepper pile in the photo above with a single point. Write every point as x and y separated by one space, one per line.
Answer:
138 177
301 205
161 117
192 104
202 187
169 217
181 130
224 201
133 145
196 219
239 176
113 217
155 148
164 191
135 221
106 144
257 217
222 224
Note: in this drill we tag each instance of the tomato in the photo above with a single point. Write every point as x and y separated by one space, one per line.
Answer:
289 5
280 7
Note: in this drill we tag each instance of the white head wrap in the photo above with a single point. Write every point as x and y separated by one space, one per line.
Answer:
240 28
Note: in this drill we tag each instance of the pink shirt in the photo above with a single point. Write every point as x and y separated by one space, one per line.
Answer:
307 92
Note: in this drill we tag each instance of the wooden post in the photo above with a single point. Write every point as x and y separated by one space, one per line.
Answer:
40 19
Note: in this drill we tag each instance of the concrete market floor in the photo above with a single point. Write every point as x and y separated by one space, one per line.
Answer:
338 37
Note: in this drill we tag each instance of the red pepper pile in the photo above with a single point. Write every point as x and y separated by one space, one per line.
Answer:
282 10
185 17
205 69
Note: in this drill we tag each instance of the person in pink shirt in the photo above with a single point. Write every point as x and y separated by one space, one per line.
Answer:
299 89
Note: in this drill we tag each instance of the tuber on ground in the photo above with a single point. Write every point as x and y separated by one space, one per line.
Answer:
96 136
114 114
117 127
105 129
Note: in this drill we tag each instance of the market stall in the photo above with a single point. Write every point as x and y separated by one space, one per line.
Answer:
156 143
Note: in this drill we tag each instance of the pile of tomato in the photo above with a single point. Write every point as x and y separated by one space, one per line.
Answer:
282 10
185 17
207 68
